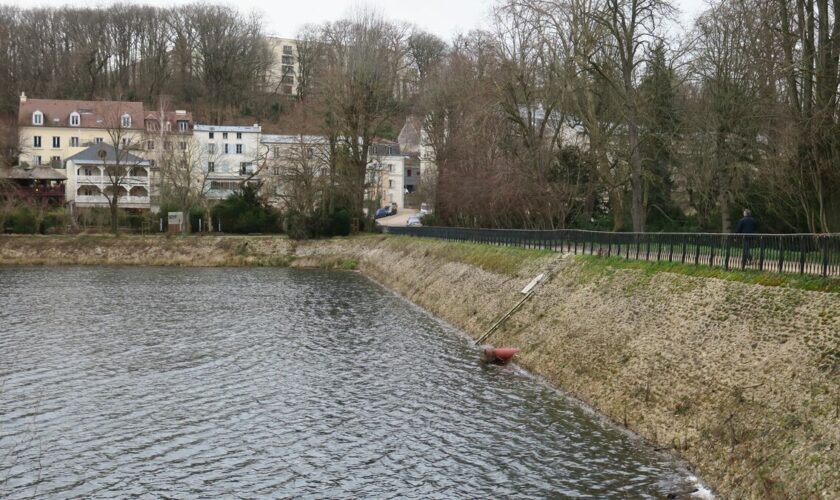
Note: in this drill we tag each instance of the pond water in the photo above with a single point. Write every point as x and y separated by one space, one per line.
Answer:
165 382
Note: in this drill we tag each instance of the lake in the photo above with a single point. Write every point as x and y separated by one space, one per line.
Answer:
186 382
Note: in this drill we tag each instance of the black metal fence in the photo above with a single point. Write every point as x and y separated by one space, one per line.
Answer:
814 254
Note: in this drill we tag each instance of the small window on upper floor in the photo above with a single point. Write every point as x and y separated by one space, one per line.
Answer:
239 135
211 135
37 118
183 125
126 121
75 119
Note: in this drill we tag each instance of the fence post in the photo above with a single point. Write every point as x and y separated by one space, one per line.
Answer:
824 240
684 241
761 253
712 252
801 254
726 251
781 254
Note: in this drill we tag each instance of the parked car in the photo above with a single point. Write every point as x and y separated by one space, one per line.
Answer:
425 208
393 208
414 221
382 212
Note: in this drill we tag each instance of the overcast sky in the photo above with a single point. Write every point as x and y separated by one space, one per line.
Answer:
283 17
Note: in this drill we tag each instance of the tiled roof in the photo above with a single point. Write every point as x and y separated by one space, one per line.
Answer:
41 173
92 114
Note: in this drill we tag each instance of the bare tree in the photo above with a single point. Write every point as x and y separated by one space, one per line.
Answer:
118 158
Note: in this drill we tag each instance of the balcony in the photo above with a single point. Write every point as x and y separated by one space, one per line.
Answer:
104 180
41 192
122 201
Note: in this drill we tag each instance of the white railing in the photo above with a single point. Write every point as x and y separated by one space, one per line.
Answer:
104 180
100 199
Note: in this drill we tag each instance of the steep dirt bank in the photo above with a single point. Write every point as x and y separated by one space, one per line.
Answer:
742 380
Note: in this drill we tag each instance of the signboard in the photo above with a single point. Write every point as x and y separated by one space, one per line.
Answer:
176 222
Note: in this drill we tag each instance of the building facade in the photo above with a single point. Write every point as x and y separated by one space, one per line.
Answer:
232 155
100 170
52 130
283 77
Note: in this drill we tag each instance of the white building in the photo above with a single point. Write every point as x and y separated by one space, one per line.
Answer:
93 173
232 153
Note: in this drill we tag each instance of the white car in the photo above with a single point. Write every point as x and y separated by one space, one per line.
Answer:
414 221
425 208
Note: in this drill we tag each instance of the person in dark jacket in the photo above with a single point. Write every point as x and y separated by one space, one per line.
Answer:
747 225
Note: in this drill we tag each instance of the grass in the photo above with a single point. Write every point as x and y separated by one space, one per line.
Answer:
492 258
803 282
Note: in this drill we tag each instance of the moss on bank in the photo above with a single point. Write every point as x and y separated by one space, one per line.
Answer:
602 265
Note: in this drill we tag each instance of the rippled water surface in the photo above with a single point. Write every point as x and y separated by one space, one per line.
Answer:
185 383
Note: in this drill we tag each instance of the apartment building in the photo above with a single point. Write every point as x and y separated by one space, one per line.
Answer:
287 156
231 155
52 130
284 74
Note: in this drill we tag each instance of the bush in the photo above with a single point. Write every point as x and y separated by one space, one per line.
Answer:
245 213
318 225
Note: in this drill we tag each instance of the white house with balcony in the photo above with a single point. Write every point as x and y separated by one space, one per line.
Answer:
94 173
232 157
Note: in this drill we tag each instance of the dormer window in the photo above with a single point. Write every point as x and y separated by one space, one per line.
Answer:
126 121
75 119
37 118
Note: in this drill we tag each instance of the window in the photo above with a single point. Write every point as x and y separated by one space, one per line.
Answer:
288 60
408 173
55 161
390 183
36 141
226 148
276 170
56 142
37 160
183 146
387 150
211 135
37 118
239 135
150 145
287 89
288 70
391 168
211 166
74 142
287 49
275 152
239 149
211 149
183 125
244 167
88 172
75 119
98 140
224 135
125 141
126 121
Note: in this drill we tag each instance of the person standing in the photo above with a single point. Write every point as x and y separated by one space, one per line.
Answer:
747 225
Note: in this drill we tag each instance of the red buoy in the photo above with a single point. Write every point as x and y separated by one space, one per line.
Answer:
504 354
500 355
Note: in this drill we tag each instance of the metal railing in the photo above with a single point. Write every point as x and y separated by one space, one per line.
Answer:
813 254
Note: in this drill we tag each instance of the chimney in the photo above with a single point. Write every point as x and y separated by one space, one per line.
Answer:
22 97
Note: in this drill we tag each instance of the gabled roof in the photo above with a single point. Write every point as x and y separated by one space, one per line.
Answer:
92 114
102 154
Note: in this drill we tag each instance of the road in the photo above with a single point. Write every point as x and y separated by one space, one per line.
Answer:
399 220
